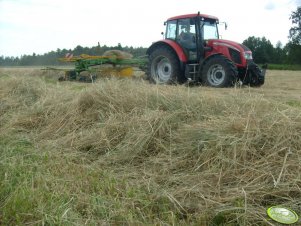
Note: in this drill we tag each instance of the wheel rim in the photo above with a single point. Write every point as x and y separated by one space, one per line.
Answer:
216 75
161 69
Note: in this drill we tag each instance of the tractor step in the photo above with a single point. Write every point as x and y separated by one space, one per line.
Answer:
192 72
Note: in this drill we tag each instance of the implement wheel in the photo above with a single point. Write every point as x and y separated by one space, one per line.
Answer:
70 75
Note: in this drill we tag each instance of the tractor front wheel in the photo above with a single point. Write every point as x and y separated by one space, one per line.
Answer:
218 71
164 67
255 76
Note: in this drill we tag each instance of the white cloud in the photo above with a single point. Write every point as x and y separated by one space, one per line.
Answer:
270 6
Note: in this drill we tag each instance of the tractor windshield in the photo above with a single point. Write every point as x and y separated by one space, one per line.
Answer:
210 30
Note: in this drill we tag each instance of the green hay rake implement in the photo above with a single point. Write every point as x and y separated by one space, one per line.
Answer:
86 67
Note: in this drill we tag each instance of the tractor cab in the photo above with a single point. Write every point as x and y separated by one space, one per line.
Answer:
190 31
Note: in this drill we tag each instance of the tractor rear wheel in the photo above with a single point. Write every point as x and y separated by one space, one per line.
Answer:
218 71
164 67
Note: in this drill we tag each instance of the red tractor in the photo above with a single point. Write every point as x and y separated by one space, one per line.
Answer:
192 52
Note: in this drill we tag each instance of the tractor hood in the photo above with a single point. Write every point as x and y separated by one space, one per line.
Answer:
239 53
216 43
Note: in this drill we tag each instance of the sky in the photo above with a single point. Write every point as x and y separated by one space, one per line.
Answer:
40 26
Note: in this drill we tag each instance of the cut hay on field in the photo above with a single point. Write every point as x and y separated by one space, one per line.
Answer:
118 54
122 151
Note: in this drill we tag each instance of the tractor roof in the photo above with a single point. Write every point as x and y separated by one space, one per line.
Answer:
192 16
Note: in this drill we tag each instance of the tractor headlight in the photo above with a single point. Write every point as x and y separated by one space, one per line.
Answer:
248 55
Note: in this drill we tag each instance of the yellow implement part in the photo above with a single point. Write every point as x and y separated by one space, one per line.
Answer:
126 72
117 71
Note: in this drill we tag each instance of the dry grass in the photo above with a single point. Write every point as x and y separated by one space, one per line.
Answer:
118 54
123 151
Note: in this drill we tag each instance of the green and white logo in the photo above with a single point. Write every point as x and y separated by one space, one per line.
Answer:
282 215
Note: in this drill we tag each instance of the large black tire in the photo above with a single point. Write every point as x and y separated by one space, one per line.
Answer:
218 71
254 76
164 67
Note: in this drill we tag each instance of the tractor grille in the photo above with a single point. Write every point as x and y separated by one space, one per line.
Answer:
235 56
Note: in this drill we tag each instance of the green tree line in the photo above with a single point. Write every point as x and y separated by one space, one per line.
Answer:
264 52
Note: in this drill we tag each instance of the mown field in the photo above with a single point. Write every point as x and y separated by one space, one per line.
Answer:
124 152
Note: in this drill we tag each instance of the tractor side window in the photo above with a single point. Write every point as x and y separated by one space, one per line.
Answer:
171 29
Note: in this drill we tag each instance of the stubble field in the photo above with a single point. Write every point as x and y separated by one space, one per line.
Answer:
124 152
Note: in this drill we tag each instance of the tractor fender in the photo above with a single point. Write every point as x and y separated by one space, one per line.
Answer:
177 49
